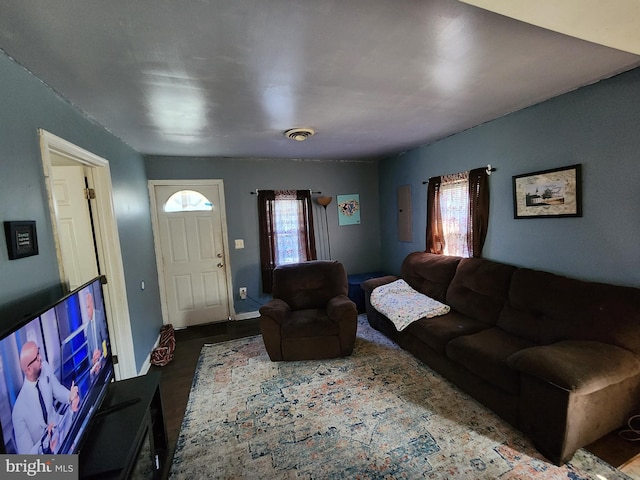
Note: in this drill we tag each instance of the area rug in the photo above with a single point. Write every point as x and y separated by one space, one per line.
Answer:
378 414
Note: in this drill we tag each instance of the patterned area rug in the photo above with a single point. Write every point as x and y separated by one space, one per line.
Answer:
379 414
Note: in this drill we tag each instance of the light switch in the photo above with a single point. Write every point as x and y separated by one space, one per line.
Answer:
239 243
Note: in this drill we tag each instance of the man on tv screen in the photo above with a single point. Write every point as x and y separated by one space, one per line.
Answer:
95 325
35 418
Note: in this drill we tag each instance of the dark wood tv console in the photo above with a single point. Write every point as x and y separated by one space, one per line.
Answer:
128 437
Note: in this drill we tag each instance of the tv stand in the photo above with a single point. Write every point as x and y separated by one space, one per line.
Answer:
118 406
127 437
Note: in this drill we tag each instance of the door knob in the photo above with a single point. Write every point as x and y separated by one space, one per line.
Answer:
220 265
219 255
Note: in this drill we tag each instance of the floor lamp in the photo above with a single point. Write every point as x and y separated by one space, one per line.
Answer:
324 201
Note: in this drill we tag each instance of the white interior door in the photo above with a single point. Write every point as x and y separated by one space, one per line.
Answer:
57 152
191 243
75 232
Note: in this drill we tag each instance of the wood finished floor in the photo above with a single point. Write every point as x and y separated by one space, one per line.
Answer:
177 376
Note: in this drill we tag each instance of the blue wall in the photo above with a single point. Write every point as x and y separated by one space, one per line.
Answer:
597 126
356 246
26 105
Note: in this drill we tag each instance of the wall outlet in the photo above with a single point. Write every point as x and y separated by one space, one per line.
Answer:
243 293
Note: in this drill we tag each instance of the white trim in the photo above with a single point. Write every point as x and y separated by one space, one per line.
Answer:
156 238
146 365
108 243
247 315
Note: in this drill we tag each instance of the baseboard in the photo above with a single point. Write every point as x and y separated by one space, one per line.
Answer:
247 315
147 361
146 366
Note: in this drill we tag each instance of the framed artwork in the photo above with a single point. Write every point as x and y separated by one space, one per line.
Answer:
349 209
22 240
548 193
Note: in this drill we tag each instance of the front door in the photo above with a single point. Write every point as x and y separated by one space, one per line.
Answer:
191 242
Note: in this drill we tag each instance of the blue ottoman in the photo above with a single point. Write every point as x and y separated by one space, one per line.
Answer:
356 294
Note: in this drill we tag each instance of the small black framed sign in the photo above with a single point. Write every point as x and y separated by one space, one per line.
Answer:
22 239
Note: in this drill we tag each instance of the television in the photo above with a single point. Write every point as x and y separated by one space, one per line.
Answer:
55 368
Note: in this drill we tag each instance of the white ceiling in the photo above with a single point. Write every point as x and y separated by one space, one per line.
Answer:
372 77
614 23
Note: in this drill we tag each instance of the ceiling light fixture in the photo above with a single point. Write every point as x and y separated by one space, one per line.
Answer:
299 134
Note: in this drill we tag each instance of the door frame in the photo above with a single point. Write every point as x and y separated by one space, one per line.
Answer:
107 242
156 238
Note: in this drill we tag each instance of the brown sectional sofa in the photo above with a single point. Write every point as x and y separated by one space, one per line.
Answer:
556 357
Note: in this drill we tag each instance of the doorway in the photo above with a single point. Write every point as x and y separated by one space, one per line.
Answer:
92 172
190 236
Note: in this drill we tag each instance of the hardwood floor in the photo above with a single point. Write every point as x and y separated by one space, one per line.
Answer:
177 376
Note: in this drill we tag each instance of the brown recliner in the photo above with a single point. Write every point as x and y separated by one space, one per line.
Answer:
310 316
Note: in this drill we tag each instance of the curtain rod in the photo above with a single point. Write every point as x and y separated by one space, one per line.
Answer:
255 192
489 169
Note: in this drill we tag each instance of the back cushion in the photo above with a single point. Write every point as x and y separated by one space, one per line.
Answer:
542 306
429 273
479 289
309 284
545 308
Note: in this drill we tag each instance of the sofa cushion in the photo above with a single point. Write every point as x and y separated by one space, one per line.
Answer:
577 366
429 274
479 288
309 323
547 308
436 332
309 284
369 285
485 353
613 317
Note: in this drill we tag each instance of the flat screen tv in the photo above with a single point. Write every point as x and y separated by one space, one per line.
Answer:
55 367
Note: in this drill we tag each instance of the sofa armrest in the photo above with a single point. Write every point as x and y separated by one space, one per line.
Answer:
581 367
341 307
275 309
369 285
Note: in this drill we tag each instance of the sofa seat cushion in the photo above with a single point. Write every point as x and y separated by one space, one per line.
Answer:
582 367
310 322
485 353
437 332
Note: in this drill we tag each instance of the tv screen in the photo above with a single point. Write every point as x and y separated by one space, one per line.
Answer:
55 368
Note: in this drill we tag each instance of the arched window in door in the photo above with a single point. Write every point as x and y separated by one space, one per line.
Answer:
188 201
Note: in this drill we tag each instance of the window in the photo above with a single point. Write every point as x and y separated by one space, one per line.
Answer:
454 205
188 201
458 213
286 230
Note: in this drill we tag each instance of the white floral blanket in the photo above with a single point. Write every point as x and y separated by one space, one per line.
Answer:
403 305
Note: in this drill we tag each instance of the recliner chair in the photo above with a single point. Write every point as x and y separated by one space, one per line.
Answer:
310 316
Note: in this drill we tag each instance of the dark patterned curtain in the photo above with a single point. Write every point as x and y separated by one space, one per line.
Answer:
478 219
286 230
435 234
478 210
